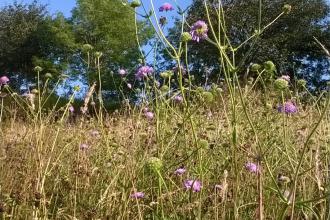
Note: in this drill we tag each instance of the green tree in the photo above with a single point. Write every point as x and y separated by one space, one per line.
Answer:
288 42
29 37
109 27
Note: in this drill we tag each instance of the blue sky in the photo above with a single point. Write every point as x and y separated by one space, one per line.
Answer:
65 6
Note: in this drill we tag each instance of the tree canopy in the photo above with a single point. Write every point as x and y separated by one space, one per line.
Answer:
109 27
288 42
30 37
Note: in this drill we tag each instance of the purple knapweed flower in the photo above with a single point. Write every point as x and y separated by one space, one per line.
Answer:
178 99
4 80
166 7
143 72
289 108
122 72
137 195
83 147
286 77
199 31
180 171
149 115
252 167
194 185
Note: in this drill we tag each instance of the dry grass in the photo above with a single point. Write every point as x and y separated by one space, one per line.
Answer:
46 175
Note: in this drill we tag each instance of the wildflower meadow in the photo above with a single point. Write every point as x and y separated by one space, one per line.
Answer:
248 141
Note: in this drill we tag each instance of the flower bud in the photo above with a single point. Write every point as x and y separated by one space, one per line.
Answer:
98 54
208 97
48 75
164 89
186 36
166 74
38 69
287 9
203 144
269 66
255 67
199 89
135 3
301 83
87 47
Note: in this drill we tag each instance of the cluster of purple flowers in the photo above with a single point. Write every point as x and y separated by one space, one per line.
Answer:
194 185
252 167
148 114
137 195
178 99
166 7
189 184
122 72
286 77
4 80
289 108
143 72
180 171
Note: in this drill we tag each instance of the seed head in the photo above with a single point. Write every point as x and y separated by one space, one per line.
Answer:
135 3
281 84
255 67
186 36
155 164
38 69
287 9
269 66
